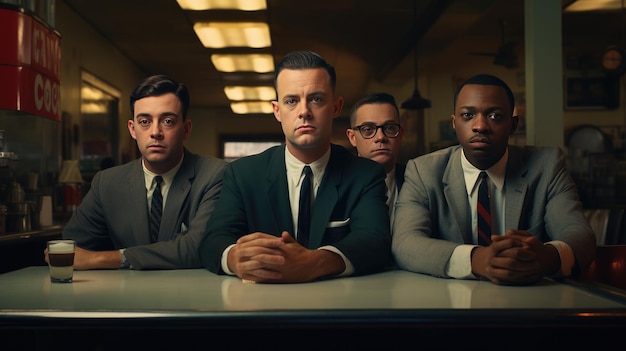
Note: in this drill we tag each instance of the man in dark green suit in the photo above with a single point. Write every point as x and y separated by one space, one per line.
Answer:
254 232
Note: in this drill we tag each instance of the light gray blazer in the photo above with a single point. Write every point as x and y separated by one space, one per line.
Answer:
114 214
433 215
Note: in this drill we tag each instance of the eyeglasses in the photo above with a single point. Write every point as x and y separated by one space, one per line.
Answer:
369 130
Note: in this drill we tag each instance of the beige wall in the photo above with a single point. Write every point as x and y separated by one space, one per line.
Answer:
82 48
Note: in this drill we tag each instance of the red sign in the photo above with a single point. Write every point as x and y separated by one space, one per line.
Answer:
25 90
30 65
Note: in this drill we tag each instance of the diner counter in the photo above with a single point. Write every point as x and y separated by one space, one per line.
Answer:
200 300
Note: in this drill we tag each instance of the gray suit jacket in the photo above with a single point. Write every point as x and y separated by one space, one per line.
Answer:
433 213
114 214
349 211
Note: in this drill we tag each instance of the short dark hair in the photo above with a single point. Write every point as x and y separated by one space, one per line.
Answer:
297 60
158 85
373 98
487 79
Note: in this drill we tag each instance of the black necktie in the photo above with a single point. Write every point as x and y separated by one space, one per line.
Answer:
483 209
156 210
304 211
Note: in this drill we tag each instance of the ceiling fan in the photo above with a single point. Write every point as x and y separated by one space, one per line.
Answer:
505 56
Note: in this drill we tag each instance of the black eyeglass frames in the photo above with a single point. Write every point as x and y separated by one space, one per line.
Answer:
369 130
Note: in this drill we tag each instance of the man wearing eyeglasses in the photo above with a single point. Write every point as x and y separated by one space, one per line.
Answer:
376 134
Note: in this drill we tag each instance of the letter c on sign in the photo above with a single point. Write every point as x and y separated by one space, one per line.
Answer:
39 92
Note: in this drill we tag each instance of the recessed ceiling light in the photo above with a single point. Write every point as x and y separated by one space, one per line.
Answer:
593 5
233 34
260 63
201 5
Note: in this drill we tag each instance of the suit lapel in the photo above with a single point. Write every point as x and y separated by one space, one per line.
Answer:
179 190
137 198
278 205
456 197
325 200
515 187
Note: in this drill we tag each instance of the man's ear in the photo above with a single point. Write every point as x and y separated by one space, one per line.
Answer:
351 136
276 111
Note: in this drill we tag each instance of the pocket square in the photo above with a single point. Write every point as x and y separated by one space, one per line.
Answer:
183 228
336 224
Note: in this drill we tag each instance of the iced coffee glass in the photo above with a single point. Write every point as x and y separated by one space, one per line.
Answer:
61 258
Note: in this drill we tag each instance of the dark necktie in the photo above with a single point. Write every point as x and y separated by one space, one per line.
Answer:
304 211
483 210
156 210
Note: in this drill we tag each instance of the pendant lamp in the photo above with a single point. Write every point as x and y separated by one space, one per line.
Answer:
416 101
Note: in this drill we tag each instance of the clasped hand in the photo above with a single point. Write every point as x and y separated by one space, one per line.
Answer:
265 258
516 258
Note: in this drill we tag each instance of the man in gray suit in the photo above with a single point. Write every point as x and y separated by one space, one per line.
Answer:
257 233
537 224
112 225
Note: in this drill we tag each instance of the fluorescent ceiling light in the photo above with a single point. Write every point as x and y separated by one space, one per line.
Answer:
233 34
240 93
594 5
201 5
248 107
260 63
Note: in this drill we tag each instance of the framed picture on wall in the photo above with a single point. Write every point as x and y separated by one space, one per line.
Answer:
591 93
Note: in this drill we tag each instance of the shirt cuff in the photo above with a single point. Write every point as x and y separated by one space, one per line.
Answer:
349 267
123 263
225 260
460 263
567 257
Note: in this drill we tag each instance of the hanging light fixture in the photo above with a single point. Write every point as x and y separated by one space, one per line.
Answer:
416 101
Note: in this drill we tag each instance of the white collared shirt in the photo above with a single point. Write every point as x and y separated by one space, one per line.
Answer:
168 179
295 176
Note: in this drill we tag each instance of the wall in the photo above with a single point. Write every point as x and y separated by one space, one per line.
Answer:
82 48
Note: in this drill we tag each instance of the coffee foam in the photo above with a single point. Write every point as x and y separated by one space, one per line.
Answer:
61 247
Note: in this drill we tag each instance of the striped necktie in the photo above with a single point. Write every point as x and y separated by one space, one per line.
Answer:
156 210
483 211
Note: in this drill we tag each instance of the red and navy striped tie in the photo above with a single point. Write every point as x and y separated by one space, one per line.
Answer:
483 210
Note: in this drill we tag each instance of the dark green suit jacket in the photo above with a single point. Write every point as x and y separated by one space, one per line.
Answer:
349 211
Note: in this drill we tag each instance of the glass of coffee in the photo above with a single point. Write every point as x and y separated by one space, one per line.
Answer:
61 258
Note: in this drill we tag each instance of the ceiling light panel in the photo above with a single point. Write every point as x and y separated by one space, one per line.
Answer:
233 34
249 107
260 63
594 5
244 5
240 93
